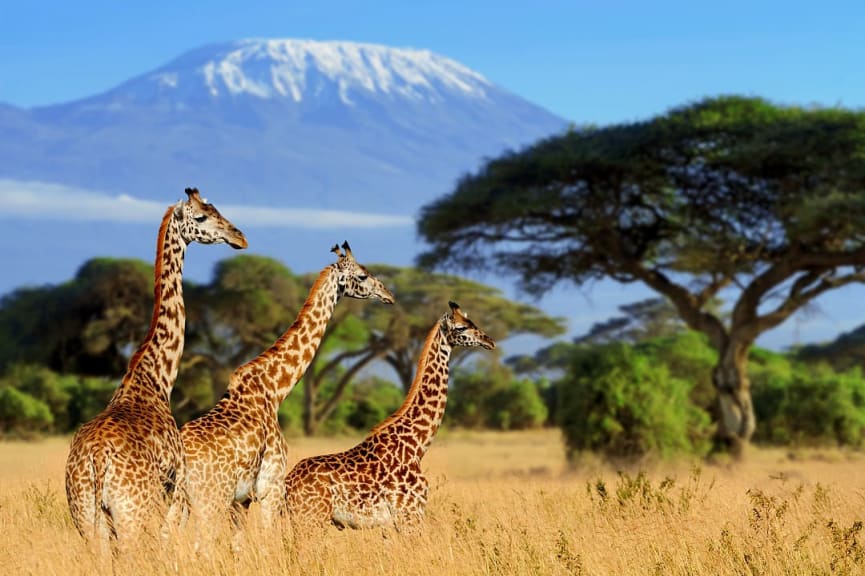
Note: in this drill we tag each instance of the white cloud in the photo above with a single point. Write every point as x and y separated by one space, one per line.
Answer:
46 201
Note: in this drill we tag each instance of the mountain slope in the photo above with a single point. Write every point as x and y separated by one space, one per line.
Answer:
279 123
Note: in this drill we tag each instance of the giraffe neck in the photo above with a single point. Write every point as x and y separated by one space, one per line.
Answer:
153 368
416 422
274 373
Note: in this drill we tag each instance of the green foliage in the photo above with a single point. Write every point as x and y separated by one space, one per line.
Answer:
517 406
623 402
85 326
291 413
69 399
729 196
373 399
250 301
47 387
25 315
643 320
363 404
844 352
811 405
22 414
198 386
487 396
688 356
88 398
714 187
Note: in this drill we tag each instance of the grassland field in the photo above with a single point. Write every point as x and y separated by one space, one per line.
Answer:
500 503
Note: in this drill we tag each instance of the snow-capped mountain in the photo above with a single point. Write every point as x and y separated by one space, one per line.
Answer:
264 124
280 122
307 70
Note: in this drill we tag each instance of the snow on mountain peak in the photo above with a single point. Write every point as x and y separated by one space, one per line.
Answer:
295 69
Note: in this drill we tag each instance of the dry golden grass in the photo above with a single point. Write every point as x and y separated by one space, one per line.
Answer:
501 504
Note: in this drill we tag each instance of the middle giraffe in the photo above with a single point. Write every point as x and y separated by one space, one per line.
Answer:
236 452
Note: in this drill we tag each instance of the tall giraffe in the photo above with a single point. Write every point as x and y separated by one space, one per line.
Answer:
236 452
124 464
379 481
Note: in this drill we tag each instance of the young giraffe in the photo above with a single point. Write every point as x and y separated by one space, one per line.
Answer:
236 452
379 481
125 463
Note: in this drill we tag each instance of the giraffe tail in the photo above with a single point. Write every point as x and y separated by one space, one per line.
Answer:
100 462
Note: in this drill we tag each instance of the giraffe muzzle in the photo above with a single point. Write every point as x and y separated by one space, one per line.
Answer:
238 242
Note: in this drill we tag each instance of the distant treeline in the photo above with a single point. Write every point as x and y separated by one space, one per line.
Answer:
633 385
64 348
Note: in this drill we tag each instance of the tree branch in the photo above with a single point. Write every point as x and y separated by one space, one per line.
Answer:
816 264
339 358
804 289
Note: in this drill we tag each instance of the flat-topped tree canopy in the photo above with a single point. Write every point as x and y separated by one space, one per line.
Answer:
727 192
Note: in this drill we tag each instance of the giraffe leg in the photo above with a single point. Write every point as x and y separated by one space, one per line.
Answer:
272 502
135 502
212 518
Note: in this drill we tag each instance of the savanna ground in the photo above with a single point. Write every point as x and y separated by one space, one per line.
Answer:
502 504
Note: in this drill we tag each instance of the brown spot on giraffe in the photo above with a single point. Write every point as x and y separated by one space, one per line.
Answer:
379 481
236 452
125 463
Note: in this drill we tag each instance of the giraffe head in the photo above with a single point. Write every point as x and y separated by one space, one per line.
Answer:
355 281
201 222
460 331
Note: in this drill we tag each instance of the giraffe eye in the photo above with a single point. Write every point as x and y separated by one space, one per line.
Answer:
461 328
200 218
362 277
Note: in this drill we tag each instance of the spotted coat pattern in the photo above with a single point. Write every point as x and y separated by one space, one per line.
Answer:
236 452
124 465
379 481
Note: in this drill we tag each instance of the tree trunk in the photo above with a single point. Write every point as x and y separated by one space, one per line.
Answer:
736 421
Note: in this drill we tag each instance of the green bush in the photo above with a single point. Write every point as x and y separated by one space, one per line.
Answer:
809 405
89 398
46 386
688 356
69 399
516 406
770 374
22 414
373 400
487 396
623 402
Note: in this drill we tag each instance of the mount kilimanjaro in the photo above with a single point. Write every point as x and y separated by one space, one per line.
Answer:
266 124
279 122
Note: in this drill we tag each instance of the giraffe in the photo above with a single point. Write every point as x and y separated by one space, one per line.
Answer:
124 464
379 482
236 453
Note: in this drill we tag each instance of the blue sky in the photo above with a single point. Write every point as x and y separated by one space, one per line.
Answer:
590 62
598 62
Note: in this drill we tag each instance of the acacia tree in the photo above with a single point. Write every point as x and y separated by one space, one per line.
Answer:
727 198
87 325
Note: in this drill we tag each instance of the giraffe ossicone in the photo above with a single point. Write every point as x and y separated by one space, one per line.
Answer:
126 463
379 482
